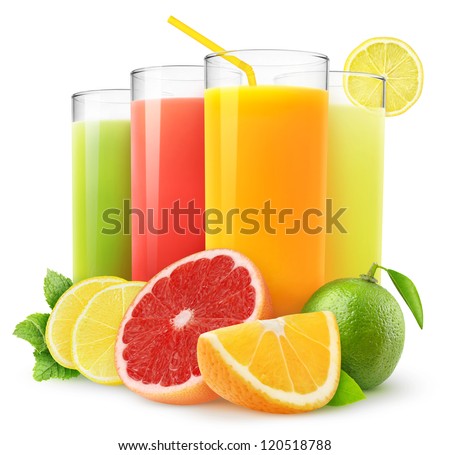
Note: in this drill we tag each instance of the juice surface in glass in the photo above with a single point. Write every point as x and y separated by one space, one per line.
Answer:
266 151
101 183
167 183
355 182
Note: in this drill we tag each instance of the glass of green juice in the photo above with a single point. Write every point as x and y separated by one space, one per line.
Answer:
101 183
354 174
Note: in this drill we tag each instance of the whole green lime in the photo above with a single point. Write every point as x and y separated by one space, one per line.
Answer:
371 325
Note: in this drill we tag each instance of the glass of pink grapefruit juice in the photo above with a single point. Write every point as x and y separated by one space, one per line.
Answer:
167 166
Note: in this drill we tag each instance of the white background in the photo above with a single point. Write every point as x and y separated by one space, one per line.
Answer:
50 49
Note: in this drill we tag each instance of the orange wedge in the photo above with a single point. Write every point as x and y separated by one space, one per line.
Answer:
286 365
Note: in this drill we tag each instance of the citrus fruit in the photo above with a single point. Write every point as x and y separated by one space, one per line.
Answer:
371 325
156 349
58 334
397 62
285 365
95 332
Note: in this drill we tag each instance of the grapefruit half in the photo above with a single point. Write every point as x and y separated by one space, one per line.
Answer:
156 347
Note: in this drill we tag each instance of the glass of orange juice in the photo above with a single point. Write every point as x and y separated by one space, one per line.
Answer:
265 166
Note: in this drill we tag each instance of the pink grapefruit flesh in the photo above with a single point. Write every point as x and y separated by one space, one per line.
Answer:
156 348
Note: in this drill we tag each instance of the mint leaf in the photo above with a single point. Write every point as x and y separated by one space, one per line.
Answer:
55 285
32 329
408 291
46 368
348 391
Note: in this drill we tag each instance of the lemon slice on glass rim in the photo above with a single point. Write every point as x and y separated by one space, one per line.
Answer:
397 62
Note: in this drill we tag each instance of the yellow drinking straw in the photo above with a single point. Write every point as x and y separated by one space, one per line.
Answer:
248 70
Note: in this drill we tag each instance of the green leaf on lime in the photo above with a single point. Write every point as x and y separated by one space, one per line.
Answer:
348 391
408 291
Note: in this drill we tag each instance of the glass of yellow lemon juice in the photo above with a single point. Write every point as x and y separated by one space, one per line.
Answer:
355 172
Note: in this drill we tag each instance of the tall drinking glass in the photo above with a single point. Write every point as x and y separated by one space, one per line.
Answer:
101 183
167 142
265 166
355 174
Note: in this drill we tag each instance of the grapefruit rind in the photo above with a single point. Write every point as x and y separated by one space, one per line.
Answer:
234 382
52 345
195 390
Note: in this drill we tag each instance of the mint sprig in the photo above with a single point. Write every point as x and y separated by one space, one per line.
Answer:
55 285
32 329
46 367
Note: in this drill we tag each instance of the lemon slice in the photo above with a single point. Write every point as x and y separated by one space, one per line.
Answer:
58 334
397 62
95 332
